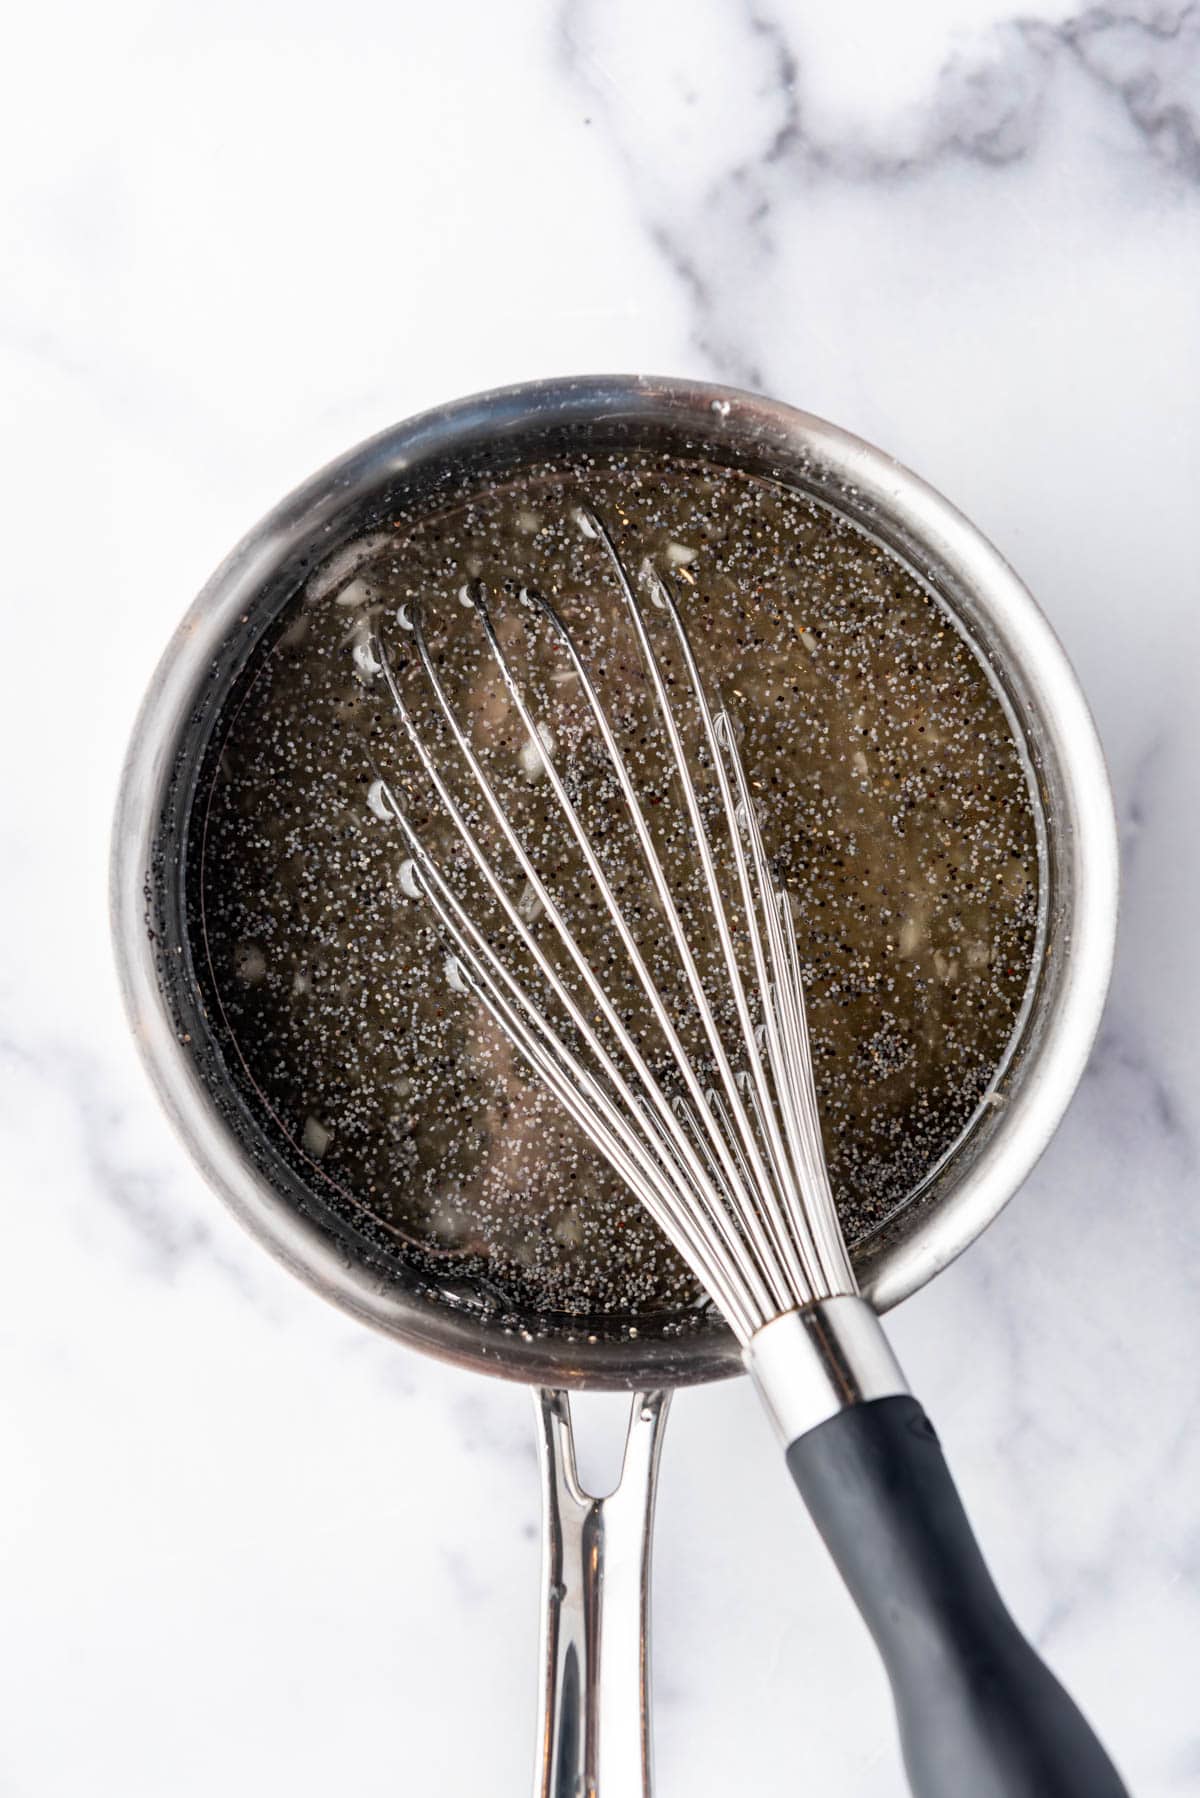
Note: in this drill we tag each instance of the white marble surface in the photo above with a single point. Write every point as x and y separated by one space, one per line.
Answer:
238 238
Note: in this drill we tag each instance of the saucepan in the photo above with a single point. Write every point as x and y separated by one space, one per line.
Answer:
594 1726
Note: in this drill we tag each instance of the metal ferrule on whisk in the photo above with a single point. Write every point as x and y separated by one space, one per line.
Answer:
820 1359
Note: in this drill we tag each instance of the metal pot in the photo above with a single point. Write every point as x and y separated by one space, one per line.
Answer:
594 1548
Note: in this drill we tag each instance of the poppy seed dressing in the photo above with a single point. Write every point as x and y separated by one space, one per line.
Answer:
886 780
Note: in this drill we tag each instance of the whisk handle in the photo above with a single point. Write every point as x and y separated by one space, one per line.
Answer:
979 1712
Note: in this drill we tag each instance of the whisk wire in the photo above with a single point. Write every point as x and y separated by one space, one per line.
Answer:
803 1251
752 1222
744 1132
770 1170
812 1215
790 1051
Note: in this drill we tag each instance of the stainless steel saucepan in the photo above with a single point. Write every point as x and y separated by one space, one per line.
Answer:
594 1724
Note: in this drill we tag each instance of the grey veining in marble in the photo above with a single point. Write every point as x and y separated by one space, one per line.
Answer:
247 1547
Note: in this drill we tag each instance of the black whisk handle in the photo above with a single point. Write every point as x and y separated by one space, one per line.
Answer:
980 1715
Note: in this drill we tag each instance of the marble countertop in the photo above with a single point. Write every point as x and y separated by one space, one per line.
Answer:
236 239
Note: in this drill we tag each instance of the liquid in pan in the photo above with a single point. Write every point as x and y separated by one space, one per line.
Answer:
889 788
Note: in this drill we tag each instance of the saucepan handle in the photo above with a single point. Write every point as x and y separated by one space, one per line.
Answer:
979 1712
594 1716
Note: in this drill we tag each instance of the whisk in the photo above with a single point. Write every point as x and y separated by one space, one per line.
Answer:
698 1090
